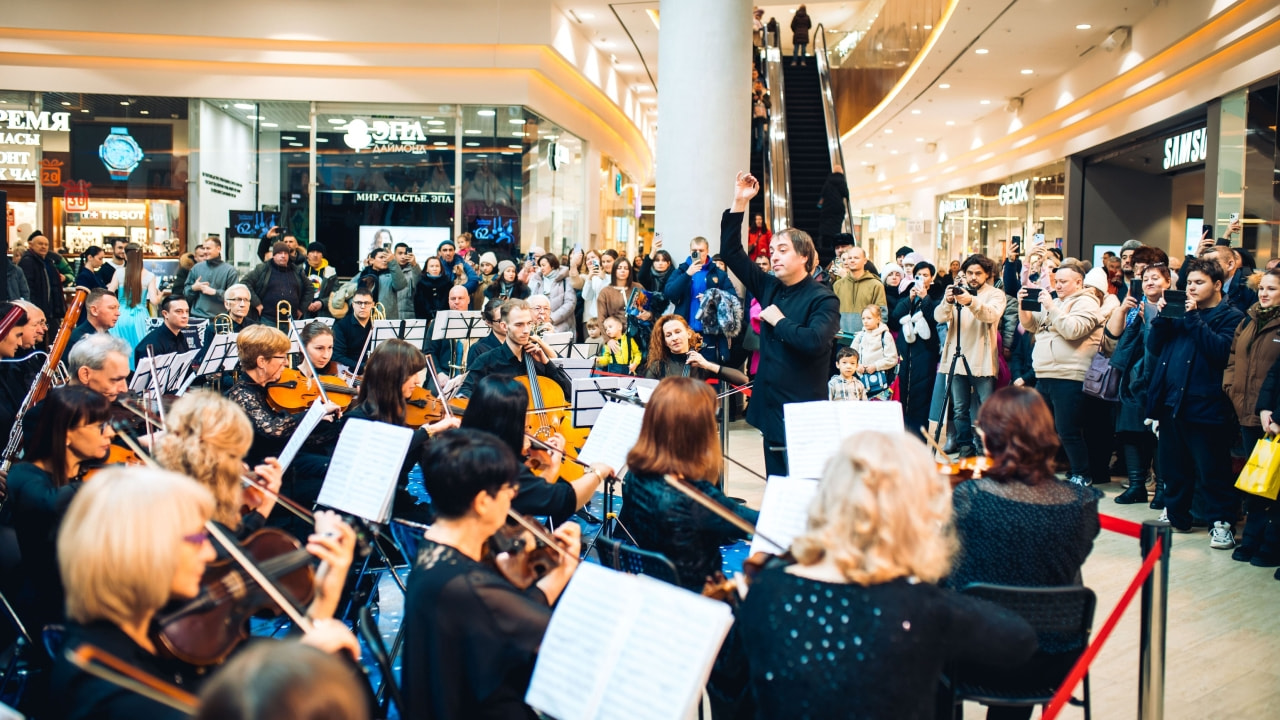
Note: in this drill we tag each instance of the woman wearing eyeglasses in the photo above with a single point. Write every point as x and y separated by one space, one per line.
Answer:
133 540
264 352
71 429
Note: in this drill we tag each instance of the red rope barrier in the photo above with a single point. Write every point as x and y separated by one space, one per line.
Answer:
1120 525
1086 658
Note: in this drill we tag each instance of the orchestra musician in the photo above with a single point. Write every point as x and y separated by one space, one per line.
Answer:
351 332
102 311
168 338
878 539
100 362
673 352
678 436
317 342
395 369
13 321
33 335
540 305
492 314
449 354
238 300
498 407
71 430
509 358
132 540
263 353
471 636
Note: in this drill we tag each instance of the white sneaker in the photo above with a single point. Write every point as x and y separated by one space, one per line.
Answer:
1164 518
1220 537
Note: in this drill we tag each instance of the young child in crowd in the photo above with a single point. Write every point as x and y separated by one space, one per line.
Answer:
845 385
592 328
618 351
877 353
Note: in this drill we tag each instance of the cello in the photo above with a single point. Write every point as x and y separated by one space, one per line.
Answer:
549 414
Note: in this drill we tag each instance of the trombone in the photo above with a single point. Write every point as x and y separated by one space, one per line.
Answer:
284 316
379 312
222 324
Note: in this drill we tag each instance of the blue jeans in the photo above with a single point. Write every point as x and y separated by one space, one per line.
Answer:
799 50
1197 456
962 389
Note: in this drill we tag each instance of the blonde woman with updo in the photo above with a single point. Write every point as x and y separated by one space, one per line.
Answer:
206 437
856 627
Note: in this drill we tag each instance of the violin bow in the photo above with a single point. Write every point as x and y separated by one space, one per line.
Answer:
933 444
723 512
435 377
540 533
734 390
216 533
123 675
315 376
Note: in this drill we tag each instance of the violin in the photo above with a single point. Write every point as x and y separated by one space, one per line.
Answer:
204 630
509 551
423 408
294 392
117 455
970 468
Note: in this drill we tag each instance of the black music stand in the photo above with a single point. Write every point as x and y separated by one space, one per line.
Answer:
220 357
467 325
413 332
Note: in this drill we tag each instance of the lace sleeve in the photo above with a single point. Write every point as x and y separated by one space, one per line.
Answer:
266 420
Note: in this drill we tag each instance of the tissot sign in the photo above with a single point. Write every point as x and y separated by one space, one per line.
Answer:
1186 148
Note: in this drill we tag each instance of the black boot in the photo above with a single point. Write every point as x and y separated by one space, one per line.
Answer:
1136 492
1157 501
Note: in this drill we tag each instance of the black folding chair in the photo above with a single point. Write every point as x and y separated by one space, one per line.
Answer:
1061 617
616 555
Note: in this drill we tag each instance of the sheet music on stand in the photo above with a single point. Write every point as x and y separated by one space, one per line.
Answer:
559 342
816 429
223 355
413 332
365 468
575 368
657 645
784 512
170 370
195 332
298 325
616 431
460 325
587 400
588 350
315 414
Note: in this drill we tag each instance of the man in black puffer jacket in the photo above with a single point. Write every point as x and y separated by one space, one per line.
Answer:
1197 421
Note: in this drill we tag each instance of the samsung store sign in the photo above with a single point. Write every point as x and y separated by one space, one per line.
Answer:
1187 148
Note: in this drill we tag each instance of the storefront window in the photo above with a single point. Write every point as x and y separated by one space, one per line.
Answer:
551 210
618 208
880 231
985 219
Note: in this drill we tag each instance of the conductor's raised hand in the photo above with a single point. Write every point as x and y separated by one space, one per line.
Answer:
745 187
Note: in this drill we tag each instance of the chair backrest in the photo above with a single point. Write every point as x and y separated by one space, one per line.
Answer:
630 559
1061 614
408 536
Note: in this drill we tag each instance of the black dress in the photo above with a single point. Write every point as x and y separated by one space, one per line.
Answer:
34 510
471 639
664 520
824 650
77 694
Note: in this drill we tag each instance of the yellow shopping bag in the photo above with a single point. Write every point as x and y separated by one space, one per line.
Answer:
1261 475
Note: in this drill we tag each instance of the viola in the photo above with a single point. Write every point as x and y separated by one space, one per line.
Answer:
206 629
521 562
294 392
117 455
423 408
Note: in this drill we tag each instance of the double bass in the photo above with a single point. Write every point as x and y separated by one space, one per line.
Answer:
549 413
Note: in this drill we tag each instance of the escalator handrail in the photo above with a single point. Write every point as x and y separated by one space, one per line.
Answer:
777 187
829 114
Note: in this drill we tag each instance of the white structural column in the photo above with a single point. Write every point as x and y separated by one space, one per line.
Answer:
704 116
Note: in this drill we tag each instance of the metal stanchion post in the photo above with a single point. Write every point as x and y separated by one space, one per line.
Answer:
1155 602
724 438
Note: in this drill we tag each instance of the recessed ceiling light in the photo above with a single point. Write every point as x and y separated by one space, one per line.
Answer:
335 121
516 121
951 122
870 145
144 112
984 102
944 86
254 117
83 110
439 144
265 124
1027 71
485 113
584 15
919 139
66 104
435 122
296 145
471 132
982 51
244 106
322 139
893 152
915 112
1084 26
888 131
517 134
482 155
515 147
472 144
288 137
124 102
303 127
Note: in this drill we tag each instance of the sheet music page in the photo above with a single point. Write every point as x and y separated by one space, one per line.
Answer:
784 512
177 370
141 380
559 342
815 429
657 645
616 431
587 401
365 468
575 368
315 414
222 355
459 325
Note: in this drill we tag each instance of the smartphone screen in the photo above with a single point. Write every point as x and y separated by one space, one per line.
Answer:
1030 304
1175 304
1135 288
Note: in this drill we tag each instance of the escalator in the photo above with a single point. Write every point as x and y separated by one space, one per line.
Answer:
809 160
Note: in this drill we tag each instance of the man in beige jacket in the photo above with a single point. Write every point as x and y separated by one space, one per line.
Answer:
1068 329
972 308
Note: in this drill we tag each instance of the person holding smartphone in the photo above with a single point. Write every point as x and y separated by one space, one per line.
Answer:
686 287
1196 421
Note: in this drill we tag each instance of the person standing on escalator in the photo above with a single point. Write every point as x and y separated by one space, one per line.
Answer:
800 25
